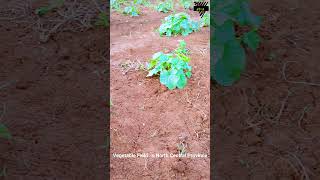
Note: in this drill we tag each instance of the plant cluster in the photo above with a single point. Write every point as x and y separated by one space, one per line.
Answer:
165 6
116 4
131 10
173 68
229 58
179 23
130 6
142 2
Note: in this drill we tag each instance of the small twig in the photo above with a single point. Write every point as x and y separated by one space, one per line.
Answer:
295 82
187 98
145 163
252 125
305 175
283 104
45 38
305 109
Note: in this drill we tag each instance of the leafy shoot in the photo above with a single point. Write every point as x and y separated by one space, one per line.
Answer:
173 68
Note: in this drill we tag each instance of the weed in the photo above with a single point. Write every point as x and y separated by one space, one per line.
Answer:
173 67
182 149
179 23
131 65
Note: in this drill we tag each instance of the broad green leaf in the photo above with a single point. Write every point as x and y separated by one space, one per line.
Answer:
219 18
252 40
164 75
229 68
163 58
182 82
188 74
152 63
224 33
172 81
246 17
227 60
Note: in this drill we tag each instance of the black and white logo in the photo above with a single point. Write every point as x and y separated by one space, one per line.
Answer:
201 7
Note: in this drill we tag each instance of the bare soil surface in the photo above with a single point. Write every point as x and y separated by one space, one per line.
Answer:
146 117
267 126
53 95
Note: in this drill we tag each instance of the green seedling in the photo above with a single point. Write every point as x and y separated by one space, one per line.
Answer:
116 4
165 6
227 48
179 23
173 68
142 2
186 3
46 9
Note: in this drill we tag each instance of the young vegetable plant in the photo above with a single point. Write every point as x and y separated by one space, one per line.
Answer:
186 3
179 23
173 68
142 2
165 6
229 58
131 10
115 4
